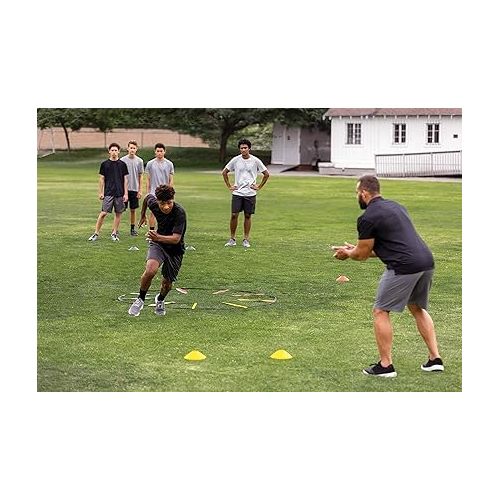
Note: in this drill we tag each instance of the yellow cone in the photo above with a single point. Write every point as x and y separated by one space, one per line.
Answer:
195 356
281 354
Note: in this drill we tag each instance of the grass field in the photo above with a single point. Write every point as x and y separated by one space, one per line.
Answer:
87 341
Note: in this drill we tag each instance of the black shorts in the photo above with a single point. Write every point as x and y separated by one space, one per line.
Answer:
133 200
243 204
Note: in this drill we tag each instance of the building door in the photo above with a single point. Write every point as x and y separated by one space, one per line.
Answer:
278 148
292 146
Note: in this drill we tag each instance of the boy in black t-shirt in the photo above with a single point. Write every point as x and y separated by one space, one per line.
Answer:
113 191
166 246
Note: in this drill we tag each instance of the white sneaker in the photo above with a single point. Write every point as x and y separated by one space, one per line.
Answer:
246 243
136 308
231 243
94 237
160 306
114 237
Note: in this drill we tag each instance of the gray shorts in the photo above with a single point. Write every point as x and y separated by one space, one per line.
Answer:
396 291
171 262
111 202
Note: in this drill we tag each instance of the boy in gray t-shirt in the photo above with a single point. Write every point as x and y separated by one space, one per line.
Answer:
135 167
159 171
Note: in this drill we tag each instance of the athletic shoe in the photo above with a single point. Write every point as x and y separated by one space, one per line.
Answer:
136 307
433 365
114 237
378 370
160 307
94 237
133 232
231 243
246 243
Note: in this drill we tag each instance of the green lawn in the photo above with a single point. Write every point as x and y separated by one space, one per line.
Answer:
87 341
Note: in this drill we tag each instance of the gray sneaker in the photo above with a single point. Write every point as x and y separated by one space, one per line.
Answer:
246 243
231 243
160 306
94 237
133 232
114 237
136 307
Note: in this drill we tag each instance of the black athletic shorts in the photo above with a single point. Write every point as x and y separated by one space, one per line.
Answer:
243 204
132 200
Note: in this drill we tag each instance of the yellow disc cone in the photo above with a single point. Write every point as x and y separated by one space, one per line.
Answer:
281 354
195 356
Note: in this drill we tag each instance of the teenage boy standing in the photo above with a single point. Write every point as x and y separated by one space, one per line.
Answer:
113 191
159 171
246 167
135 167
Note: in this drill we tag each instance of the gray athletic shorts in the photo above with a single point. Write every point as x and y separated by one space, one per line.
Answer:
396 291
171 262
111 202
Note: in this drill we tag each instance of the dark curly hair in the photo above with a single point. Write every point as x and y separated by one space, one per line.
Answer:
246 142
164 192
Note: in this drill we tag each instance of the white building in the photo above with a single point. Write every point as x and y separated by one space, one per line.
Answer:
395 141
293 146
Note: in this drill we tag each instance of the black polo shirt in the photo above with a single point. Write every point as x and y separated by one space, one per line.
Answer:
397 243
168 224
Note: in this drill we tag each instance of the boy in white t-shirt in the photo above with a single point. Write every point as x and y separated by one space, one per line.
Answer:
246 168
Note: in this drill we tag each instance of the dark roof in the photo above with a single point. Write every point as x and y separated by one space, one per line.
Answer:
393 112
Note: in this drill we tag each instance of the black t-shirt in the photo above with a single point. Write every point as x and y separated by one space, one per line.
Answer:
114 173
168 224
397 243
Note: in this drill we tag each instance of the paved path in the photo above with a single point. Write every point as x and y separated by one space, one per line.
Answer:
282 171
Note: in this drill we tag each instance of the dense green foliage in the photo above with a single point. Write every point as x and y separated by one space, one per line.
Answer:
215 125
87 341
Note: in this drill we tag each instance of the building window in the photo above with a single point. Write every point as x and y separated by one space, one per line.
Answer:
399 135
353 133
433 133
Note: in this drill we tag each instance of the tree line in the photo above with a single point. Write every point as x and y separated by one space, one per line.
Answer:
213 125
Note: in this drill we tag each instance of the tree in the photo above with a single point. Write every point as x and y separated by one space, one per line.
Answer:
104 119
214 125
217 125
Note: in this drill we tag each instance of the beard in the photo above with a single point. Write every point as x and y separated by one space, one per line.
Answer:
362 204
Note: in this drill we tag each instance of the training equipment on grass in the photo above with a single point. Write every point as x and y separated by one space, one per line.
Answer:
195 298
195 356
281 354
342 279
235 305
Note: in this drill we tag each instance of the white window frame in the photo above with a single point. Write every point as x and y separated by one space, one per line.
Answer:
356 127
433 133
400 134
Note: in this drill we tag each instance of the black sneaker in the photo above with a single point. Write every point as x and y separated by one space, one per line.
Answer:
433 365
377 370
133 232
